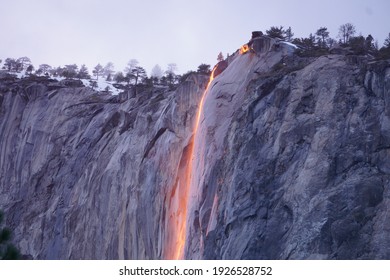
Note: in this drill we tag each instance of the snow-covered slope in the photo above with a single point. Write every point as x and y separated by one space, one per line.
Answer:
101 84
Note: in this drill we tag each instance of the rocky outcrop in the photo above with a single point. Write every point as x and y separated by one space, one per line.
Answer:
290 161
85 175
293 161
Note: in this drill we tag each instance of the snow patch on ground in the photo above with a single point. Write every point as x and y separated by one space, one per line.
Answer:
289 44
19 75
101 84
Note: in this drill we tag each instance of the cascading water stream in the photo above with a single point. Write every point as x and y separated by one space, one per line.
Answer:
179 198
185 187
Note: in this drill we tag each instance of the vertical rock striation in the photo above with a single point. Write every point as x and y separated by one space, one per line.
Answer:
88 176
293 160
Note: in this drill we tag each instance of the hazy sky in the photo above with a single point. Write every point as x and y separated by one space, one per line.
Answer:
187 33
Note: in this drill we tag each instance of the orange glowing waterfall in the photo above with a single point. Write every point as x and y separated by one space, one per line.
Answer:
244 49
178 219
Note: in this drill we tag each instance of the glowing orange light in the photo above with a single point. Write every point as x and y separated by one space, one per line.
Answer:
244 49
179 223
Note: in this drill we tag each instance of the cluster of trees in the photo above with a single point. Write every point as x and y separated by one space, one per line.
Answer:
202 69
132 75
320 42
317 43
18 65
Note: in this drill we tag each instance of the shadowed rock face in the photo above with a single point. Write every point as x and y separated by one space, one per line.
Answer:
83 176
291 162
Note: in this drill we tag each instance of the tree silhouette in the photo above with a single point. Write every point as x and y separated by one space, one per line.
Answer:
93 84
83 72
70 71
276 32
9 64
369 45
139 74
171 68
23 63
29 69
346 31
44 68
131 65
204 69
387 42
288 34
108 70
322 34
7 250
128 78
220 57
156 73
357 45
119 77
98 71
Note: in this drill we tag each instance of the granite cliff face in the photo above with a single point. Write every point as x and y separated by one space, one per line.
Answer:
87 176
290 161
295 161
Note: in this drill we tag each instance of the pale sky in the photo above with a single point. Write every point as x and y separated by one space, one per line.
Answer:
188 33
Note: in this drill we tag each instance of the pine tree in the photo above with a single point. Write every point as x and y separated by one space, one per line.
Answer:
204 69
276 32
163 81
83 72
29 69
288 34
71 71
220 57
139 74
98 71
170 79
322 34
369 43
9 64
170 76
128 78
387 42
23 62
357 45
119 77
148 82
384 52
